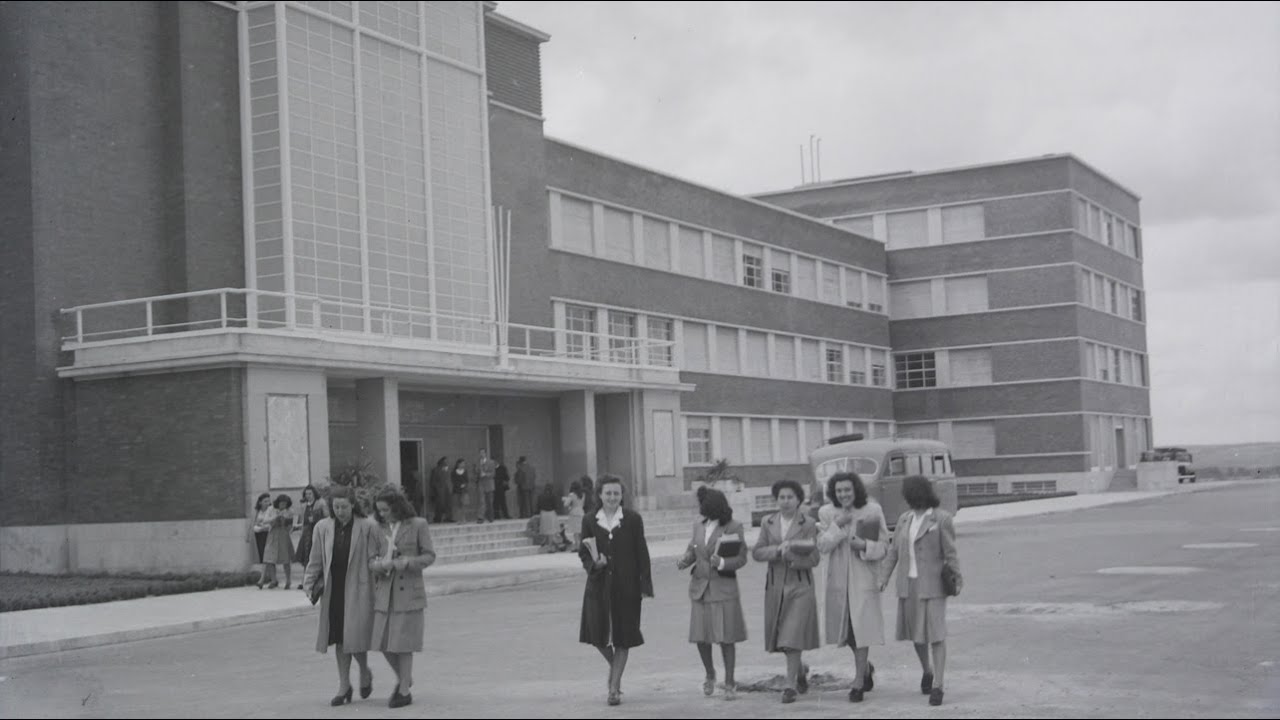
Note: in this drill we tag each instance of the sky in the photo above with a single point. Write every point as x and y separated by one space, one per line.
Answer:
1178 102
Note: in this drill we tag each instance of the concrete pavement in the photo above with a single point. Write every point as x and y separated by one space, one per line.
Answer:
46 630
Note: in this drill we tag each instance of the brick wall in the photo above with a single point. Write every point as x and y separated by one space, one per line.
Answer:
1100 397
1022 466
1037 213
979 256
1110 329
1103 191
1050 433
158 447
980 401
1110 261
1013 325
1034 361
1036 286
723 394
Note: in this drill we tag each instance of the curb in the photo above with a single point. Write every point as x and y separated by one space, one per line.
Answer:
455 586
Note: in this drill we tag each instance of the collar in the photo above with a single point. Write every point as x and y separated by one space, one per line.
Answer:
609 522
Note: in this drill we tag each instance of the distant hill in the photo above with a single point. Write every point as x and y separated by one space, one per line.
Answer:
1245 459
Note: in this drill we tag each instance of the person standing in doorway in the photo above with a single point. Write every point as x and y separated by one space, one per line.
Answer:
526 482
460 486
485 469
441 492
501 484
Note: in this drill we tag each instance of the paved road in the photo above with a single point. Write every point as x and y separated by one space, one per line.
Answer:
1039 632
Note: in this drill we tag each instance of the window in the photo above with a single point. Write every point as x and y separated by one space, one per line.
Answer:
1142 370
807 278
1082 216
1113 304
784 356
722 259
727 350
853 288
814 437
1085 288
1135 304
757 354
916 370
698 439
731 440
897 466
973 439
691 262
761 441
810 363
576 225
695 347
912 299
1099 293
623 331
752 266
875 293
830 283
966 294
1107 236
1093 222
1117 375
618 242
857 365
970 367
780 271
1103 366
864 226
782 281
835 365
789 441
657 243
661 330
963 224
1137 242
908 229
1090 362
581 340
879 362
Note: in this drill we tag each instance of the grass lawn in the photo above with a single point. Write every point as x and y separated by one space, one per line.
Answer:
25 591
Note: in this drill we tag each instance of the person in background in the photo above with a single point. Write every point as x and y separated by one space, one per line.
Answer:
924 542
399 593
853 534
526 486
261 529
279 550
716 614
441 492
485 468
788 542
616 557
590 499
460 486
313 510
574 503
501 484
342 549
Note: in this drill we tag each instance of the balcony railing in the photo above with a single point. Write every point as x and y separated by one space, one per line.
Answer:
261 311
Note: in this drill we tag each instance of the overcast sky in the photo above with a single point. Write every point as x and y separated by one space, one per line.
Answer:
1180 103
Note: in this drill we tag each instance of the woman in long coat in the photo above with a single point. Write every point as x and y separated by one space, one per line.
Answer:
399 594
788 542
616 557
924 542
854 536
716 613
313 510
441 492
342 548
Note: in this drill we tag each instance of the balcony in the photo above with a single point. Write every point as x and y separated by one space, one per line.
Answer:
230 326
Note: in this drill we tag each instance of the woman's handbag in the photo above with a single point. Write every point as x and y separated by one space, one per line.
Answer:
952 582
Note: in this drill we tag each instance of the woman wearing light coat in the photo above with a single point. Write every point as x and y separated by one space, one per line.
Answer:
853 614
399 593
346 605
787 541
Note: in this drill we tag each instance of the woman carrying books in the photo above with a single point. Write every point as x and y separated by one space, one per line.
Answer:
854 536
715 553
787 542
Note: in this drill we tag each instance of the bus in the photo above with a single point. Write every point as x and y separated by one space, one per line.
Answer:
883 464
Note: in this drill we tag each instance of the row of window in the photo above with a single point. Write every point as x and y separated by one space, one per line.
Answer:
1112 437
967 439
965 294
942 368
593 228
1112 364
766 440
918 228
713 348
1111 296
1107 228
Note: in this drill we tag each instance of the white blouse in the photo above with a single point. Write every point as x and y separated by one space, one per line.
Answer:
917 522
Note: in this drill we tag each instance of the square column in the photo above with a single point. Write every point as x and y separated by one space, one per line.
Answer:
578 434
378 425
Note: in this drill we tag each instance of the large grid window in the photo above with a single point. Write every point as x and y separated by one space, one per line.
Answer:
623 331
661 330
727 350
875 293
761 441
780 271
781 281
698 439
853 288
757 352
864 226
752 266
916 370
581 340
830 283
835 364
857 365
879 366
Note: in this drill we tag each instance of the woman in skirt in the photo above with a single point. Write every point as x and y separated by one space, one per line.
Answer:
716 552
399 594
923 543
279 549
313 510
616 557
261 529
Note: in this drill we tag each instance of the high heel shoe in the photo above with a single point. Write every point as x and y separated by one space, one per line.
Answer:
615 697
397 700
935 696
926 683
342 699
366 690
802 682
870 683
274 584
709 687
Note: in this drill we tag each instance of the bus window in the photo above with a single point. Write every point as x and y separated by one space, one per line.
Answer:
897 465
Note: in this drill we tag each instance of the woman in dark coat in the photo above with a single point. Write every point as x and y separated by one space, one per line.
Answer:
313 510
616 557
441 491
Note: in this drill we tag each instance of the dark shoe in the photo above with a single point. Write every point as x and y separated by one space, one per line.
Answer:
788 696
366 690
342 699
926 683
855 694
615 697
870 683
802 682
274 584
709 687
935 696
398 701
288 586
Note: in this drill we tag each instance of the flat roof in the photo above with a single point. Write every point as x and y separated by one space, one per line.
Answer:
878 177
513 24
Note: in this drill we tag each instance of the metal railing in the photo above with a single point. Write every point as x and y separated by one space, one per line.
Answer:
264 311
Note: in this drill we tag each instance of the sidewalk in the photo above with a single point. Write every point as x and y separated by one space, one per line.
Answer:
35 632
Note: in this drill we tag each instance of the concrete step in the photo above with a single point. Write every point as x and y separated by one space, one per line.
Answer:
1123 480
488 555
464 548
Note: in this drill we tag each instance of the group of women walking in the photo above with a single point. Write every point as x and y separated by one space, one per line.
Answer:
850 531
366 574
273 522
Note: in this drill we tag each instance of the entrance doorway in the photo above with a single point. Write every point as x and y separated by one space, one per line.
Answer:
1122 457
412 478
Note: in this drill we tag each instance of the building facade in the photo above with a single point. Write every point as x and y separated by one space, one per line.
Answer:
247 245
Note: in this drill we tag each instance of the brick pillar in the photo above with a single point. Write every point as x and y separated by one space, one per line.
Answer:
378 422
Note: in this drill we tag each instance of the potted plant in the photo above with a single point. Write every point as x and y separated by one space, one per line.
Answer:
719 478
360 477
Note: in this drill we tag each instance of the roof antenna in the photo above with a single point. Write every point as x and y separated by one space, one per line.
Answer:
818 164
802 177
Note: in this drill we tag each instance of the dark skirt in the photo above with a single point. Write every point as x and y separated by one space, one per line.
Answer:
922 621
261 539
717 622
609 617
303 555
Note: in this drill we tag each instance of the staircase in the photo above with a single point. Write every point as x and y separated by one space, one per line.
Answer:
1124 480
476 542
